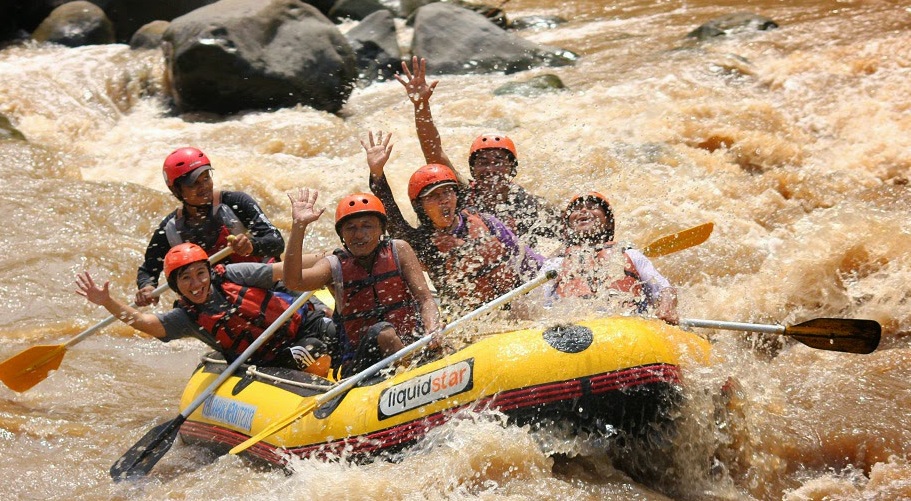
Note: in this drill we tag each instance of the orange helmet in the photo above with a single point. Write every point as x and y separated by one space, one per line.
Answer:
183 161
591 195
358 204
427 177
181 255
490 142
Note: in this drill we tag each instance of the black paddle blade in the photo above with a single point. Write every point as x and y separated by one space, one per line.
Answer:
142 457
849 335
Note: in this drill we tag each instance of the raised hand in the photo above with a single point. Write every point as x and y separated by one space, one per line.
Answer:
377 152
303 211
419 91
89 290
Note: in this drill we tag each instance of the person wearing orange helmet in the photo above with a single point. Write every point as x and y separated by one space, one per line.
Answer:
227 307
206 218
493 162
382 300
593 265
471 257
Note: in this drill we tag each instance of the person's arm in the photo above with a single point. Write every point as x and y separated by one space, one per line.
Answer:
419 92
292 271
150 270
267 240
659 288
413 274
529 260
145 322
397 225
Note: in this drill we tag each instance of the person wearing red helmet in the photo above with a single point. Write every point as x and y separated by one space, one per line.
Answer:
382 300
471 257
227 307
493 162
206 218
593 265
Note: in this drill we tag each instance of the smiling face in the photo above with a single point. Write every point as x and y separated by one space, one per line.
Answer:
589 218
200 192
362 234
440 206
194 281
492 167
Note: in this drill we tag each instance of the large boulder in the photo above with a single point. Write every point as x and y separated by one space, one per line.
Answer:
75 24
258 54
462 41
376 47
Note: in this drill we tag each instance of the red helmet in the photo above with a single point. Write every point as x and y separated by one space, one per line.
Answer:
490 142
429 176
358 204
181 255
181 162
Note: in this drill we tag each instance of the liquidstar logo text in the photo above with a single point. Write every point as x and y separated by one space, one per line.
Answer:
227 411
442 383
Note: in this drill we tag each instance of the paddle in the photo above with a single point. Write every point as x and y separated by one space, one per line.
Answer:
353 381
140 459
679 241
28 368
847 335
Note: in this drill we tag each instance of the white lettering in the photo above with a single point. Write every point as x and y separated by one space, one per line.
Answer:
421 390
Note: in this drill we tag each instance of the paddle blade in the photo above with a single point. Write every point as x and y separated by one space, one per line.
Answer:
21 372
679 241
275 427
849 335
142 457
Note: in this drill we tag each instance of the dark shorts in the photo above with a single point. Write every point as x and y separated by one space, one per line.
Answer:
368 350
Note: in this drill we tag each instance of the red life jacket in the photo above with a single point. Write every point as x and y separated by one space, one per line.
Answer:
482 268
223 221
363 298
248 312
582 273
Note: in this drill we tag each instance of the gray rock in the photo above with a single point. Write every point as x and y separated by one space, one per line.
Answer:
461 41
75 24
733 23
536 22
8 132
376 47
149 36
541 84
258 54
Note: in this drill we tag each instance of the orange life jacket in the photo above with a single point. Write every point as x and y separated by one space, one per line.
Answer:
249 311
583 269
363 298
224 221
481 269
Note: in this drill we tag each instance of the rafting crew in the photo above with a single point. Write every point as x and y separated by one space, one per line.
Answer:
493 162
593 265
471 257
226 307
382 300
206 217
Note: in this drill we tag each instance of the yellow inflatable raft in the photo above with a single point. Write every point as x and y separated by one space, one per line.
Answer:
622 372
